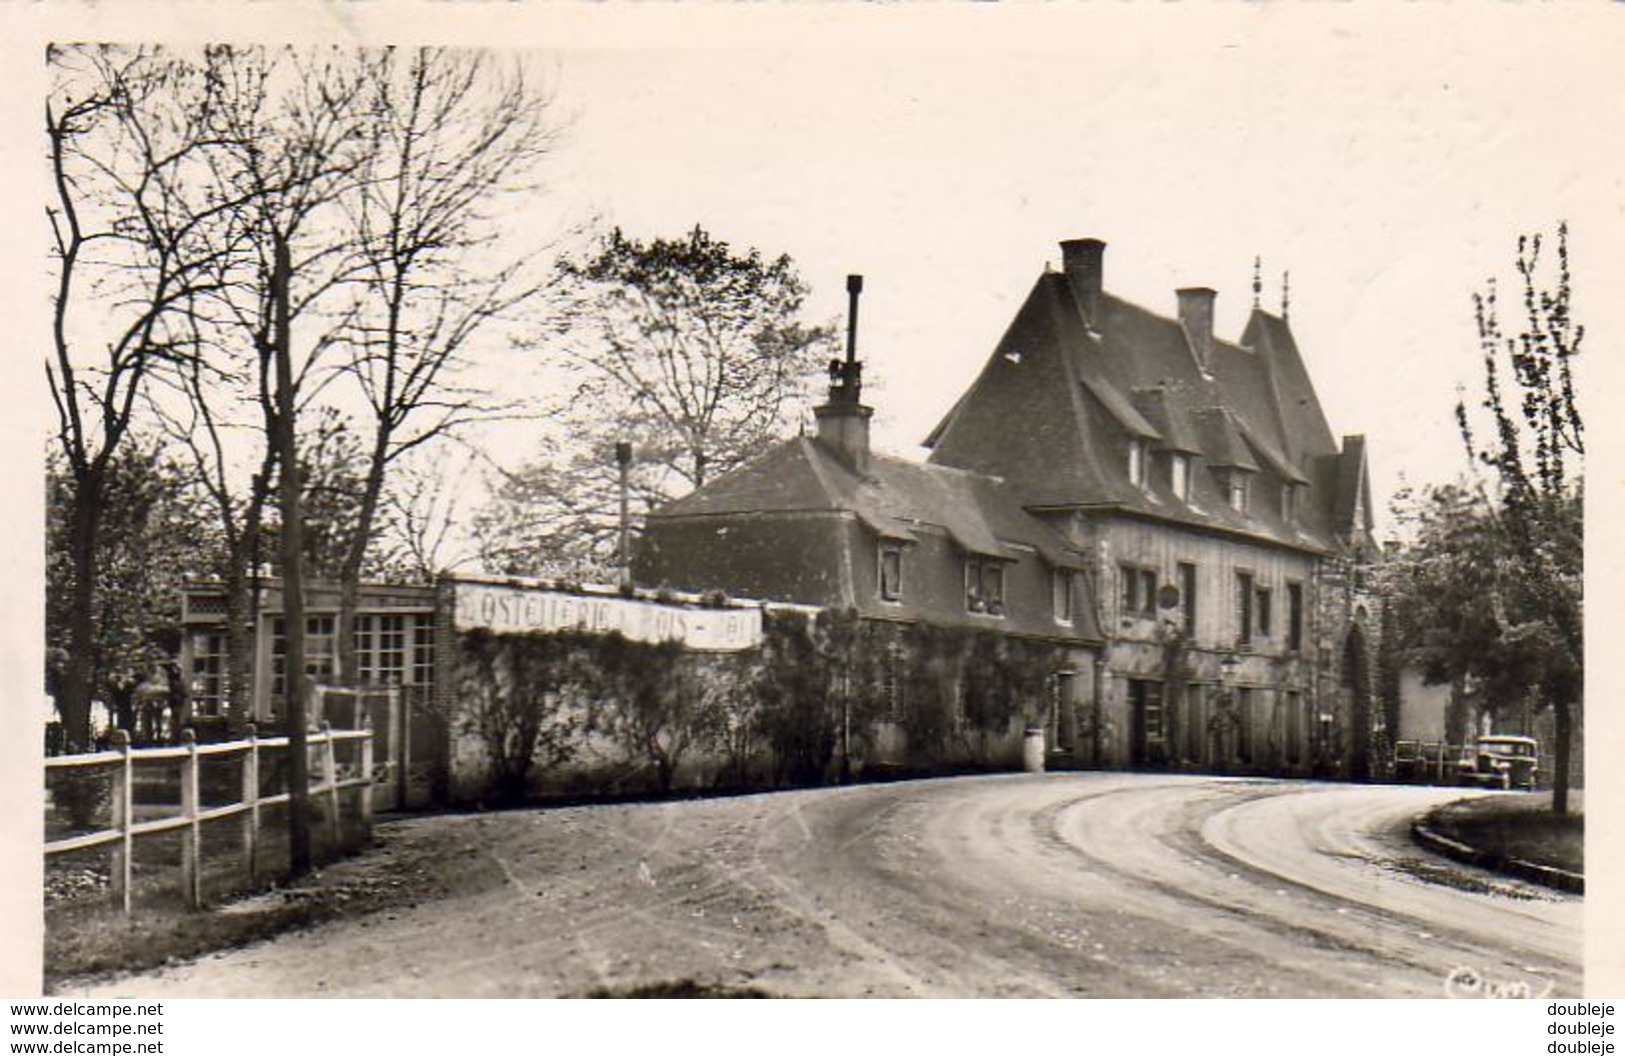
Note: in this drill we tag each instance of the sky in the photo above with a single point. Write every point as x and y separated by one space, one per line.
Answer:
1387 158
1391 177
1388 155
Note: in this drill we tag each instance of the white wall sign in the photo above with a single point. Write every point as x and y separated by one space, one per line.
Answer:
520 609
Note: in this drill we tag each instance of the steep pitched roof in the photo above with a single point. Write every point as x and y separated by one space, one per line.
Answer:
1044 456
1077 374
1305 434
1353 510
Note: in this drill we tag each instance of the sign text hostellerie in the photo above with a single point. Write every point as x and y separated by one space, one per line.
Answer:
520 609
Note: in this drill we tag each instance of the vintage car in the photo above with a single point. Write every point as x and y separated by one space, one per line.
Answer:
1501 761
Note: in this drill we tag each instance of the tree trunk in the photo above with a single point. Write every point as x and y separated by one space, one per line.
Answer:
293 586
79 676
239 645
355 558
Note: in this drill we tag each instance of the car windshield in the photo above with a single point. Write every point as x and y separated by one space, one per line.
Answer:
1520 748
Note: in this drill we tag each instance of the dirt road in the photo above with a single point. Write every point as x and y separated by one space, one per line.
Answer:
1050 885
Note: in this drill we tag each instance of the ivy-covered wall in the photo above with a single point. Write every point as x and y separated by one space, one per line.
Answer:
828 696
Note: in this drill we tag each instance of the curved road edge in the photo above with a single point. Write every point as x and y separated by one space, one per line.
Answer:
1548 875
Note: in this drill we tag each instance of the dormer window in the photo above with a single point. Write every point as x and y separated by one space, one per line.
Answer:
1289 503
1179 476
1235 484
1136 462
984 586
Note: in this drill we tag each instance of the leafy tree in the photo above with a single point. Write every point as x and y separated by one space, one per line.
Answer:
1536 448
691 351
1490 592
332 467
150 541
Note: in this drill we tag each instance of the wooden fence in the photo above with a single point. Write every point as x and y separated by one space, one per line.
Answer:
121 760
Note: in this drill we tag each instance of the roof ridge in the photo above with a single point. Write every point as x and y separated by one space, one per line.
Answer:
1174 320
815 455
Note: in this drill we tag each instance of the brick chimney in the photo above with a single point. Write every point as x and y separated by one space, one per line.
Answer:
843 420
1196 316
1083 260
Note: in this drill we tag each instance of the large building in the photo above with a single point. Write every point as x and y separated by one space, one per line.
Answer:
1171 505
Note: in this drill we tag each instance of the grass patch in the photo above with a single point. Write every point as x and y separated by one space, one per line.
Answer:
88 942
1517 825
86 937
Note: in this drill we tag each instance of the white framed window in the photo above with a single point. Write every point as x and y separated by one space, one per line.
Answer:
391 648
208 682
1061 595
1179 476
423 650
1236 490
1138 592
984 586
891 573
1244 609
321 651
1136 461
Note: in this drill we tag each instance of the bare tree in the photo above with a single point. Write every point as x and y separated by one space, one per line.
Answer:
450 135
134 240
289 128
209 407
420 517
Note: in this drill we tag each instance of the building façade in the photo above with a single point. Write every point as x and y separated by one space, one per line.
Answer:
1170 508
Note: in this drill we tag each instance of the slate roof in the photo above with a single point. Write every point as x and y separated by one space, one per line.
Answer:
1067 385
893 497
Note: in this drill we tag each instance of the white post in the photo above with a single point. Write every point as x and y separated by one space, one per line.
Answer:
191 845
251 797
366 773
123 811
331 775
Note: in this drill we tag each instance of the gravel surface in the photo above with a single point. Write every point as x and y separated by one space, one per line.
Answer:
1121 885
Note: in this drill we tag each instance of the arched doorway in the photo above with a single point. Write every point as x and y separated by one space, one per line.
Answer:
1357 687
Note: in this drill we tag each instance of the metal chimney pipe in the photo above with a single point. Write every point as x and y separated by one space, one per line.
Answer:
854 286
623 460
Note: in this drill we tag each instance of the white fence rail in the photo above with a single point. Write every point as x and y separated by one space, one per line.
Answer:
124 831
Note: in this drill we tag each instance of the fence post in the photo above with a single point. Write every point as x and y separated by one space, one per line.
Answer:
191 845
366 772
251 797
123 811
331 775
